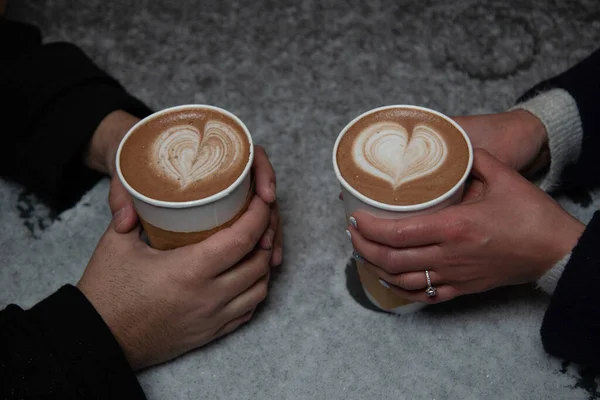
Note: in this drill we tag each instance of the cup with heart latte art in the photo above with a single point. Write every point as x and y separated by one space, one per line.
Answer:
399 161
187 169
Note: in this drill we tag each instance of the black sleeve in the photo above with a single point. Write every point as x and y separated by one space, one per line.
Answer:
62 349
571 326
52 98
583 83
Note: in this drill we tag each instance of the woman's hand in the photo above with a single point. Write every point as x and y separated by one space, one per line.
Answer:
517 138
505 232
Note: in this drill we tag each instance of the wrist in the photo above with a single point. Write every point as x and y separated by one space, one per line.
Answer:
560 245
105 141
531 133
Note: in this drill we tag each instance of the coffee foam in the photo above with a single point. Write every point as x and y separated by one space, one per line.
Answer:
188 156
402 156
383 150
184 155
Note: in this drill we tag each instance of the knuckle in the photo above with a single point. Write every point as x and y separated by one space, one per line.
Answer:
453 259
264 268
244 240
399 234
391 260
208 308
457 228
263 291
401 281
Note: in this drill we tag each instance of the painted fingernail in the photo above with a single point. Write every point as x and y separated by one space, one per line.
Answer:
358 257
349 235
353 222
384 284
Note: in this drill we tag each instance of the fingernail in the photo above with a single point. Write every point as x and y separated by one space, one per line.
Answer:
358 257
267 239
353 222
273 190
384 284
349 235
119 216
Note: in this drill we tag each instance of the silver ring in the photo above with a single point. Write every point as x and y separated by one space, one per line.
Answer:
431 291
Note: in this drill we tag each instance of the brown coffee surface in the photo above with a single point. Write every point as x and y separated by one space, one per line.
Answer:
402 156
186 154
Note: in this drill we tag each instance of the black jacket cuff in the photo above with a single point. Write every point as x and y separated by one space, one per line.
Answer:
571 326
54 97
583 84
82 346
73 119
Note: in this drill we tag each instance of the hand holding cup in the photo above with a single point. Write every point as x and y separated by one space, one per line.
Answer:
506 231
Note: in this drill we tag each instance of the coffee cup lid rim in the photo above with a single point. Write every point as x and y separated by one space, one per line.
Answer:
412 207
192 203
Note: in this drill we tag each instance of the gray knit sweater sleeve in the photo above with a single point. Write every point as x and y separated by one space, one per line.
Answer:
558 112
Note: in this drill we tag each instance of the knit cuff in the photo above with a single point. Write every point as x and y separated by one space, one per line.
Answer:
549 280
558 112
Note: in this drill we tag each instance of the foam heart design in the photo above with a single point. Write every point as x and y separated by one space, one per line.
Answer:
187 155
385 150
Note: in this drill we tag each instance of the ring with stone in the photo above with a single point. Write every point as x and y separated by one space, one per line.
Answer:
431 291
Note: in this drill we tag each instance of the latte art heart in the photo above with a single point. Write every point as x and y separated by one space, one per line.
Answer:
187 155
387 151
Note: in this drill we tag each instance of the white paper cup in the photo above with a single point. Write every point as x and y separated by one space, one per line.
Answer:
383 297
171 224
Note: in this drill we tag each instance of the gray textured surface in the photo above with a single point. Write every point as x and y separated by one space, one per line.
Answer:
296 72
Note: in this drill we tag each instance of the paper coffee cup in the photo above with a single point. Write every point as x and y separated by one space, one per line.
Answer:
380 296
171 224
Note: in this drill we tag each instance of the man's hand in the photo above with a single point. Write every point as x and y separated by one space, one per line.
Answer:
101 156
160 304
505 232
265 184
517 138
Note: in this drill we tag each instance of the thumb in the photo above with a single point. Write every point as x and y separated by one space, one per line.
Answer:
488 169
121 220
486 174
121 206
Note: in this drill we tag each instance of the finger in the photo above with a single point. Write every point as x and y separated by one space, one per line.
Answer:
234 324
443 293
411 280
267 240
264 175
488 168
132 234
396 261
121 205
246 301
473 191
228 246
240 278
408 232
277 256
